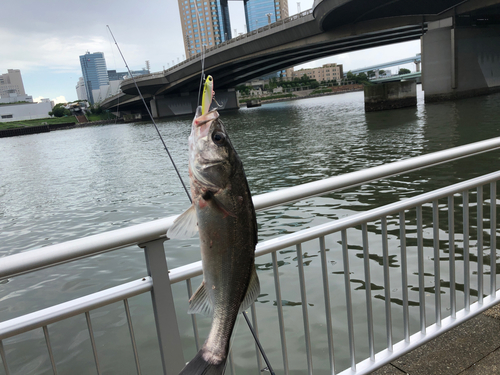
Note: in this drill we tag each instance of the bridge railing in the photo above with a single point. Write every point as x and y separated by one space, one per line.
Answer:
198 56
414 228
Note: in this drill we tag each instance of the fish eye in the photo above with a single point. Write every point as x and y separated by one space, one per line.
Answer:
219 138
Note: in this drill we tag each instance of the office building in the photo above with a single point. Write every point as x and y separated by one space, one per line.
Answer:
94 73
259 13
11 83
81 92
204 23
327 72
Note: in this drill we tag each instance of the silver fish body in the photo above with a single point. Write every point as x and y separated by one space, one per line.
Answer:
223 213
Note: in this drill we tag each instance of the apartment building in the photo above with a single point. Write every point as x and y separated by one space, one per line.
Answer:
327 72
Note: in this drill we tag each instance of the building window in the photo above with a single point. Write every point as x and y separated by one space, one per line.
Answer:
7 116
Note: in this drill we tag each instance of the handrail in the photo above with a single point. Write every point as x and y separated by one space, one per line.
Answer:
64 252
74 307
194 269
77 306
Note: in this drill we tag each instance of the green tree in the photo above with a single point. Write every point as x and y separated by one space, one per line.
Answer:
243 89
350 76
313 84
404 71
361 78
60 111
96 109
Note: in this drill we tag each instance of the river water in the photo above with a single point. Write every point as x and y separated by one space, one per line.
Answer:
63 185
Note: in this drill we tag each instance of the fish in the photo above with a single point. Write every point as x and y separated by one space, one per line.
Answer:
223 215
208 95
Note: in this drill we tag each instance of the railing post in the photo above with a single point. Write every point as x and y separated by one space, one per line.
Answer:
169 339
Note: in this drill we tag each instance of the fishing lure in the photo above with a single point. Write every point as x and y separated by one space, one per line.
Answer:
208 94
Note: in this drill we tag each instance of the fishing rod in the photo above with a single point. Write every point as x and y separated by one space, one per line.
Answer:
151 116
254 334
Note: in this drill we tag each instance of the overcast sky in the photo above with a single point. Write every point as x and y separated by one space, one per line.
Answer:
44 39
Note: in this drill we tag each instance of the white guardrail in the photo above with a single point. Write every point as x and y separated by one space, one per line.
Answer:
151 237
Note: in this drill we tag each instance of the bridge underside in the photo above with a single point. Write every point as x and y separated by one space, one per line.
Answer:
312 38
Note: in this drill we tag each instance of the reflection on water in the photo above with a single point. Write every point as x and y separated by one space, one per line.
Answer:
67 184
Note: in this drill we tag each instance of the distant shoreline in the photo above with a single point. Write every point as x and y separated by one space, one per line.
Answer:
244 104
14 132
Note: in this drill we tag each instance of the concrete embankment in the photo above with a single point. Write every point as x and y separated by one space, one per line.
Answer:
305 94
51 127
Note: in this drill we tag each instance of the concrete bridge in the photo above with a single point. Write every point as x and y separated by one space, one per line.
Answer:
375 68
334 27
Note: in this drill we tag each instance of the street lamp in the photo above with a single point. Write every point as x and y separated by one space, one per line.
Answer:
268 18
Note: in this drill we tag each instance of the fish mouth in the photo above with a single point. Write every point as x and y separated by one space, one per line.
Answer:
210 116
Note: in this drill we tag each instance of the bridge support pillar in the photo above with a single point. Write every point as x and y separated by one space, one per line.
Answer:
391 95
459 59
186 103
154 108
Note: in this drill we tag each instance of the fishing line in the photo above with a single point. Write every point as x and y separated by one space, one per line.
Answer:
202 76
203 46
114 61
150 115
257 341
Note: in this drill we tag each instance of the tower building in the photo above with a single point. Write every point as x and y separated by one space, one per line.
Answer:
259 13
204 23
94 72
11 83
207 22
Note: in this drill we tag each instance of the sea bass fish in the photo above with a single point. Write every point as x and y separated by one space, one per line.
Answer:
223 213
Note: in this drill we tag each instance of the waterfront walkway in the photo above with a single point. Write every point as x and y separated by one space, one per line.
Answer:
472 348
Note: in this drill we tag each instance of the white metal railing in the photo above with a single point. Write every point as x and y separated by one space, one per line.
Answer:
150 236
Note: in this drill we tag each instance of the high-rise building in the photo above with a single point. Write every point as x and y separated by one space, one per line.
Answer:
204 23
94 72
259 13
81 93
207 22
11 83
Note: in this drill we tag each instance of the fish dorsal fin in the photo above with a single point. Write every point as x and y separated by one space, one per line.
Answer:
253 291
200 303
185 226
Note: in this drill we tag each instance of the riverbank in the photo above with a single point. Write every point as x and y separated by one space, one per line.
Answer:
309 94
14 132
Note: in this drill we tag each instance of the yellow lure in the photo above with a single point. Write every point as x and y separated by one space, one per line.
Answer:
208 94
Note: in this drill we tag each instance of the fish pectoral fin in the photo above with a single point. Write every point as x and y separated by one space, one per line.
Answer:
185 226
210 198
200 303
253 291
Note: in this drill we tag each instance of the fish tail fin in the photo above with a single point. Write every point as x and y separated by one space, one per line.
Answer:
199 366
